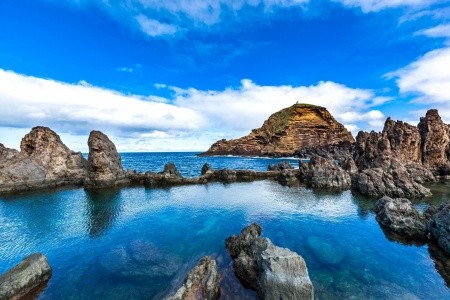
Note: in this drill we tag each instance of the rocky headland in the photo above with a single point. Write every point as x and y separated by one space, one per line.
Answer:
285 132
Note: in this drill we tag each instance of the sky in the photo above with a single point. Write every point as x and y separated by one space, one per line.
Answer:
178 75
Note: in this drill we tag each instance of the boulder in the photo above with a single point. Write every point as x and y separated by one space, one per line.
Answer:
400 218
105 164
439 227
170 170
284 165
274 272
206 169
25 279
323 172
202 282
288 177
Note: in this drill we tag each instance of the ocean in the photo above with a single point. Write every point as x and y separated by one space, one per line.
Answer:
139 243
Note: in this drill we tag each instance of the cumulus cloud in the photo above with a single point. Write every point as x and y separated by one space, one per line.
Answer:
29 101
428 80
377 5
250 104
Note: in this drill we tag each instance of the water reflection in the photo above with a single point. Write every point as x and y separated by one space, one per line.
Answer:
103 207
441 262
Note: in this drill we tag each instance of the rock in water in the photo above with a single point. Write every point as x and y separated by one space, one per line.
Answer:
323 172
284 165
399 217
25 278
439 227
285 132
105 164
202 283
43 162
274 272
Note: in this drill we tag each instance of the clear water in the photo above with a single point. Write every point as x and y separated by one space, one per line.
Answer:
137 243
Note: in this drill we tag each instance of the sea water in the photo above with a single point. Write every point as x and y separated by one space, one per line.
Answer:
139 243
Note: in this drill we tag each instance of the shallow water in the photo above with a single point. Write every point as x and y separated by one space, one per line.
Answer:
138 243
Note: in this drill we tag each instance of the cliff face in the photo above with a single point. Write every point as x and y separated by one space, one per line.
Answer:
285 132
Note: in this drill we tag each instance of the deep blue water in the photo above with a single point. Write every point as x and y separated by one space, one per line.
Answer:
138 243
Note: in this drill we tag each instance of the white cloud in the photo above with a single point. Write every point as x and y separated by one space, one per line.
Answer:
437 31
154 28
29 101
428 79
249 105
377 5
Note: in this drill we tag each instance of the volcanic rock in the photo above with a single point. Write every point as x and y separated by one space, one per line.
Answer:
105 164
202 283
323 172
43 162
439 227
206 169
284 165
401 218
25 279
288 178
274 272
285 132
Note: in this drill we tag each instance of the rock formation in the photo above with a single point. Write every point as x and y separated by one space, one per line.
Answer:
202 283
323 172
105 164
43 162
284 165
285 132
439 227
25 279
274 272
400 218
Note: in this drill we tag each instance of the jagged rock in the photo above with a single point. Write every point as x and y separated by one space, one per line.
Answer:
288 177
206 169
401 218
323 172
435 139
26 279
274 272
202 283
105 164
170 170
284 165
394 181
286 131
43 162
439 227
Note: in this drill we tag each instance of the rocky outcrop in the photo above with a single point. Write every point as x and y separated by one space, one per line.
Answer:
202 283
274 272
206 169
286 131
284 165
105 164
400 218
323 172
169 176
26 279
288 178
43 162
439 227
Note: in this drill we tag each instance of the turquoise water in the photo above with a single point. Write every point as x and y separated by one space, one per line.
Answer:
138 243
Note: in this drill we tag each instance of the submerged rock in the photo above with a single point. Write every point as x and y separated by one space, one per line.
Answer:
202 282
325 252
105 164
439 227
401 218
26 278
274 272
323 172
286 131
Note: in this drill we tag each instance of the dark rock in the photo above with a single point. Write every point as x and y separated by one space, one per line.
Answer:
26 278
439 227
225 175
170 170
202 282
323 172
401 218
105 165
206 169
274 272
288 177
286 131
284 165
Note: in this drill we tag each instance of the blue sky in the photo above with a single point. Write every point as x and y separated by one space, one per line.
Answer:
177 75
